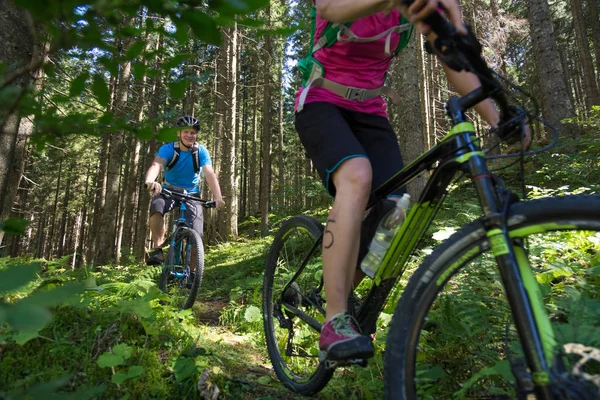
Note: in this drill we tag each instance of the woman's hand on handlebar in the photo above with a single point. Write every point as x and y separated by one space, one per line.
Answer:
418 10
153 187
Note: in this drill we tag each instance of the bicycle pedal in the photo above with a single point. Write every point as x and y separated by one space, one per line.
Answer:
333 364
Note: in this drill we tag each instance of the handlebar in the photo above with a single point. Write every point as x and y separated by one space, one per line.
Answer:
463 52
185 196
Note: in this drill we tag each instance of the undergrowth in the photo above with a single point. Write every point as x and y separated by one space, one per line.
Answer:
85 334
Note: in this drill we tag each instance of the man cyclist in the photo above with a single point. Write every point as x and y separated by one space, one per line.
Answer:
180 175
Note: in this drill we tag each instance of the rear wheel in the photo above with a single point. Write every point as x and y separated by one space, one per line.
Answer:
183 268
293 306
452 333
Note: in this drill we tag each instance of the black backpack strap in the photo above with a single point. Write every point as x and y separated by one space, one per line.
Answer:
175 157
196 157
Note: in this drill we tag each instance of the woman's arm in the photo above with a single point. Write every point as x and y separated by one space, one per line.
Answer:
349 10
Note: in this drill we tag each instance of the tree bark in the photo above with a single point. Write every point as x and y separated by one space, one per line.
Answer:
552 86
590 86
156 100
594 26
18 48
410 129
107 250
65 213
265 172
252 209
228 175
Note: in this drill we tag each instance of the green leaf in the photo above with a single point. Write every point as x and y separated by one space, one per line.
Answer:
14 226
118 378
123 350
135 49
204 27
251 22
78 84
135 371
139 307
109 359
8 95
90 282
107 118
56 296
176 60
100 90
167 135
184 368
252 314
145 133
139 69
181 32
264 380
110 65
17 275
177 89
28 317
23 337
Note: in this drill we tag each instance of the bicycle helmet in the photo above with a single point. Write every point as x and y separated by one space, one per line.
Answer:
188 120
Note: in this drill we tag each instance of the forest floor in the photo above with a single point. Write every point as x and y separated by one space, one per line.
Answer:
109 337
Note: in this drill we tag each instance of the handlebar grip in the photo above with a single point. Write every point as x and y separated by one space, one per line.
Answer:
210 204
440 25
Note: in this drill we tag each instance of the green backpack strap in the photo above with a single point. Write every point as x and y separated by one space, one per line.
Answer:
328 38
404 36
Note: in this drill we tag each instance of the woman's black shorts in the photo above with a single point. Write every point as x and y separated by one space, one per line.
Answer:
331 135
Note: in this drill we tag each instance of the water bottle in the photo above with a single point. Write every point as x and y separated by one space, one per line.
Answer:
382 239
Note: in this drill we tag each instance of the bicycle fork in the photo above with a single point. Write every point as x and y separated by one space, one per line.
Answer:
522 290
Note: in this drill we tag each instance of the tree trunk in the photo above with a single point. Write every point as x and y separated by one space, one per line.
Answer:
18 48
265 172
228 170
156 101
253 159
590 86
410 129
99 196
107 250
552 86
65 213
594 26
281 166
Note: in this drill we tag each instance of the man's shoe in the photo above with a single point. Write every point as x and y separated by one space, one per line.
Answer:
156 257
340 340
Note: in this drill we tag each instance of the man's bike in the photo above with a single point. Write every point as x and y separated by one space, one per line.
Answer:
184 265
506 307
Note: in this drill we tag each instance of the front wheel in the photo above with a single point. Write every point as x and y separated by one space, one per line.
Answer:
183 268
452 334
293 305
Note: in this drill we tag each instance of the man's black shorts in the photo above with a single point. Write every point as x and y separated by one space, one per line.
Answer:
331 135
162 205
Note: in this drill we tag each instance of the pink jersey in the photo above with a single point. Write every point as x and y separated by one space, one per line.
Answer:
361 65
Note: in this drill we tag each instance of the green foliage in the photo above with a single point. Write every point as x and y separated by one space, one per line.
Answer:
14 226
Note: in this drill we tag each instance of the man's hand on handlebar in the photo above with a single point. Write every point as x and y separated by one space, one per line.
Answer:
219 203
153 187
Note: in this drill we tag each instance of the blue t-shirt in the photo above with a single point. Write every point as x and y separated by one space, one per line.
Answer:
182 174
